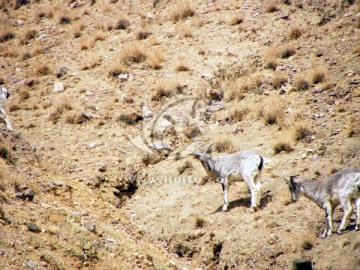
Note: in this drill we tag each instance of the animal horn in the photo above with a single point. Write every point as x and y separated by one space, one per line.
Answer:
196 154
208 149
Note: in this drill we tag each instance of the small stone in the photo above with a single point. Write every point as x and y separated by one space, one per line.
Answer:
93 145
123 77
102 168
59 87
90 226
207 76
33 228
31 264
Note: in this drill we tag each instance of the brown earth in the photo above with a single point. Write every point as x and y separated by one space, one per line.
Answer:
104 199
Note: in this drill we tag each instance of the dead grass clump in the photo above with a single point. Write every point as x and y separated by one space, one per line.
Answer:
6 34
91 64
270 57
4 152
357 50
235 89
182 11
117 68
135 53
64 18
282 146
224 146
122 24
59 110
303 133
165 88
270 7
352 127
76 118
87 43
182 67
42 69
295 32
273 111
319 75
278 80
239 114
151 159
77 29
301 83
199 222
186 166
287 50
191 131
237 19
14 107
130 118
155 59
142 35
30 34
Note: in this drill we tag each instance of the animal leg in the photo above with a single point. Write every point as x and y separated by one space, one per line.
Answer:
357 226
347 212
225 184
329 221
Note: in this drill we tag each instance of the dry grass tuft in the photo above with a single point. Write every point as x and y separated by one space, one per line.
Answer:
87 43
155 59
23 95
308 241
59 110
77 29
117 68
237 19
303 133
191 131
278 79
282 146
64 17
199 222
287 50
6 33
122 24
182 67
273 111
239 114
270 56
357 50
30 34
270 7
42 69
295 32
224 146
76 118
352 127
165 88
134 53
301 83
141 35
319 75
182 11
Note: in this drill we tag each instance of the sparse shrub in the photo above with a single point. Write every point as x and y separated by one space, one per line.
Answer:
237 19
182 11
303 133
270 7
318 75
224 146
280 147
295 32
272 63
155 59
239 114
151 159
130 119
59 110
133 54
301 83
122 24
142 35
30 34
165 88
278 80
186 166
199 222
270 57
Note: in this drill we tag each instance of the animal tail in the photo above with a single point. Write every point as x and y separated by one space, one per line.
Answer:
261 163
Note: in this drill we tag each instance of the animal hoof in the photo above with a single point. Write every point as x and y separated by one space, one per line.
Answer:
225 208
254 209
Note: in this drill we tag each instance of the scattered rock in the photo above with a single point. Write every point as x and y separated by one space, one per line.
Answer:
90 226
62 71
59 87
29 82
33 228
31 264
102 167
30 195
123 77
207 76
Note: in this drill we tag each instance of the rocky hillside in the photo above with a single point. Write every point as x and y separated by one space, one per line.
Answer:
109 98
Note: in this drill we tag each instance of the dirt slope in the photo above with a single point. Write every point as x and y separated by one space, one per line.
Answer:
278 77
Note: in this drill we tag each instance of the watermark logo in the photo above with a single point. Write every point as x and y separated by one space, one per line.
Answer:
165 131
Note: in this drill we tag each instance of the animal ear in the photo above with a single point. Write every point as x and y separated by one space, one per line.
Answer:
196 155
208 149
293 179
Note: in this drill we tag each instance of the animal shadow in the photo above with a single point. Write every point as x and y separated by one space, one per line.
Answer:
246 202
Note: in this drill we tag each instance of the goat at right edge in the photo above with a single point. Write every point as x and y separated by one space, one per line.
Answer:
342 188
